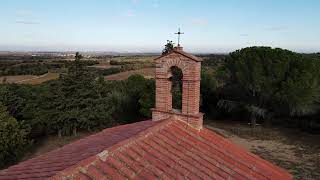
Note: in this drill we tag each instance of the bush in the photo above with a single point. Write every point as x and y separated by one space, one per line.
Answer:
25 69
110 71
13 138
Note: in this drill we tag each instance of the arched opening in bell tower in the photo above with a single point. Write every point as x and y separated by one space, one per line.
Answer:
176 87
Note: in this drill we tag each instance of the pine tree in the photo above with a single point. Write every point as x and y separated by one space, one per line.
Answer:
265 82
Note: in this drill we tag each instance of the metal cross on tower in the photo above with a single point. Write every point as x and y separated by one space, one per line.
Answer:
179 33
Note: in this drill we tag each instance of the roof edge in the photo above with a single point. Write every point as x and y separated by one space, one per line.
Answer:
85 163
181 52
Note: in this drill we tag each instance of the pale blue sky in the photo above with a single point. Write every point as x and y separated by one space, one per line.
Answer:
145 25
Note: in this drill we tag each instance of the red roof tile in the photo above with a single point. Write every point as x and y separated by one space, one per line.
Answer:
170 150
49 164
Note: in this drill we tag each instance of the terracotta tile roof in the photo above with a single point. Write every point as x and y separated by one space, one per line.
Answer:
173 150
49 164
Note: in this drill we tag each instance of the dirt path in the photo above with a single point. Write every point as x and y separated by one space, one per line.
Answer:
296 151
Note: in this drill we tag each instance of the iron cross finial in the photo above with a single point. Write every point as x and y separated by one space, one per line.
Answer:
179 33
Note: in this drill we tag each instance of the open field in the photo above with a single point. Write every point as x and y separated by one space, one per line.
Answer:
132 64
146 72
103 66
15 79
30 79
296 151
40 79
136 59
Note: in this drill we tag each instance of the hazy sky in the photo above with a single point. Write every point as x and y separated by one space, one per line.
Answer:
145 25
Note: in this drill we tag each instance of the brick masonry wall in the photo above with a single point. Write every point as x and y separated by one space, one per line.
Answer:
191 70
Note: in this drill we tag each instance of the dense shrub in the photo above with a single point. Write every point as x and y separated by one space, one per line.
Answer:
134 98
128 67
109 71
209 93
119 62
82 62
213 59
13 138
25 69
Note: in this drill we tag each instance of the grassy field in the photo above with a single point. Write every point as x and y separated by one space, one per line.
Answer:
146 72
293 150
135 59
103 66
40 79
29 79
15 79
143 62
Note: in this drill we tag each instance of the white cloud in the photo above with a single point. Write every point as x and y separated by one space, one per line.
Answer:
26 22
199 21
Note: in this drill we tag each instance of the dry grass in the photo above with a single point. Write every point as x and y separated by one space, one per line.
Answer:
14 79
296 151
40 79
30 79
103 66
142 59
146 72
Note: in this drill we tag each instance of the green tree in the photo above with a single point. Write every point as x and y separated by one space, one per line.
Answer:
78 56
265 82
209 92
168 47
147 100
79 103
13 138
10 96
78 66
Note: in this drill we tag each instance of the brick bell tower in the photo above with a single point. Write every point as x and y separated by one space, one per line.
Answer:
191 69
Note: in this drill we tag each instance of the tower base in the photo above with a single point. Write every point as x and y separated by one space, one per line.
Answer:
194 120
